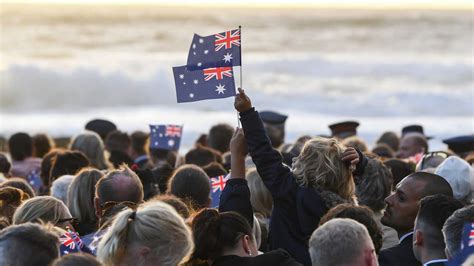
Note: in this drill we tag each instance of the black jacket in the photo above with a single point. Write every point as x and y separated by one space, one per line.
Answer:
401 254
296 210
277 257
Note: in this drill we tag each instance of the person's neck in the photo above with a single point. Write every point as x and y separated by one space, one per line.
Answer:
404 232
431 254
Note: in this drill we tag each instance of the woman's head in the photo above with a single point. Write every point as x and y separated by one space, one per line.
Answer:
43 209
261 199
191 184
217 234
10 199
153 233
93 147
319 165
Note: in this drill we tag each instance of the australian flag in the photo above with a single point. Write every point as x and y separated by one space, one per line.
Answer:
217 186
209 83
167 137
218 50
467 245
71 243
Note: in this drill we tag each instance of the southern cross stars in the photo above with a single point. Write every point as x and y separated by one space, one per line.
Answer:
220 89
227 57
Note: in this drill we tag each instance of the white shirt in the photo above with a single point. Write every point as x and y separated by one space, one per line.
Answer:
405 236
434 261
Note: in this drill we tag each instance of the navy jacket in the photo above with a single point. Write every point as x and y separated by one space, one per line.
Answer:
401 254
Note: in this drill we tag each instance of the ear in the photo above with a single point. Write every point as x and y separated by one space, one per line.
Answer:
246 244
370 258
418 238
98 209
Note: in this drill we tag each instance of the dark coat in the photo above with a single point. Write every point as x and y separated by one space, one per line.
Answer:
296 209
277 257
401 254
236 197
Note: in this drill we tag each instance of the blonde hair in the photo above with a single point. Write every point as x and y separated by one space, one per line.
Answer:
260 198
320 166
92 146
81 192
155 225
41 209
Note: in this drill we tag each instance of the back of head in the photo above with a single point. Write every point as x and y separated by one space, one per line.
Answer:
432 214
374 185
163 174
320 166
219 137
260 197
154 225
215 232
118 141
383 150
76 259
391 139
355 142
118 186
200 156
5 165
162 156
149 183
60 186
10 199
458 174
28 244
46 165
453 228
92 146
400 169
19 183
360 214
67 163
338 236
192 185
41 209
42 144
139 139
214 169
176 203
101 126
20 146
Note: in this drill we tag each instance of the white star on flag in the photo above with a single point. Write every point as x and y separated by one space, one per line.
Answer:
220 89
181 76
227 57
171 143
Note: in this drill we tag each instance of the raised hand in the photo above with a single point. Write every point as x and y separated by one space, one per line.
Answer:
351 157
238 146
242 102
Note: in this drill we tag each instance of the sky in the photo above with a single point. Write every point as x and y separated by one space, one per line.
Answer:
370 4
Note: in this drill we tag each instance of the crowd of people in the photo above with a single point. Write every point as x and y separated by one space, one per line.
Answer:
111 198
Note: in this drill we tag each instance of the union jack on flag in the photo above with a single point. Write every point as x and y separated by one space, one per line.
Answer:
217 186
217 72
167 137
173 131
71 243
217 50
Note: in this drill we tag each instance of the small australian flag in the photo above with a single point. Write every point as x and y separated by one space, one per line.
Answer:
209 83
217 50
167 137
217 186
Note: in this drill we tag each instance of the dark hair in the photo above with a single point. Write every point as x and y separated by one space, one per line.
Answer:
432 214
163 174
28 244
19 183
20 146
175 202
5 165
150 185
118 141
374 185
76 259
400 169
453 227
214 169
192 185
163 155
219 137
383 150
139 139
10 199
434 184
361 214
200 156
46 165
391 139
42 144
67 163
214 232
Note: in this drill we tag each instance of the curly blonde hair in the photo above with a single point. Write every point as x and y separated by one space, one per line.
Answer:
319 165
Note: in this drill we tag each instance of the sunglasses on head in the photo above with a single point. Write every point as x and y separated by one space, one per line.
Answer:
433 159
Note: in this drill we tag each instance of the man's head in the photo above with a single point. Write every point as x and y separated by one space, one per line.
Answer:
341 242
453 227
118 141
219 137
274 124
191 184
28 244
428 239
139 139
20 146
200 156
402 206
412 144
117 186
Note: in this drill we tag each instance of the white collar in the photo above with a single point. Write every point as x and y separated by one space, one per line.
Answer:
433 261
405 236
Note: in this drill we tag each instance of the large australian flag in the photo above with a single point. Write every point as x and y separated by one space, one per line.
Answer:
209 83
167 137
217 50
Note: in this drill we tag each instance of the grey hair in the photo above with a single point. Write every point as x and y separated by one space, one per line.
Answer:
41 209
81 195
374 185
60 186
92 146
155 225
452 229
338 236
261 199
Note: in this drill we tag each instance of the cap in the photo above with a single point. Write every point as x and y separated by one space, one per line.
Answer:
344 129
460 144
101 127
414 129
458 174
271 117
